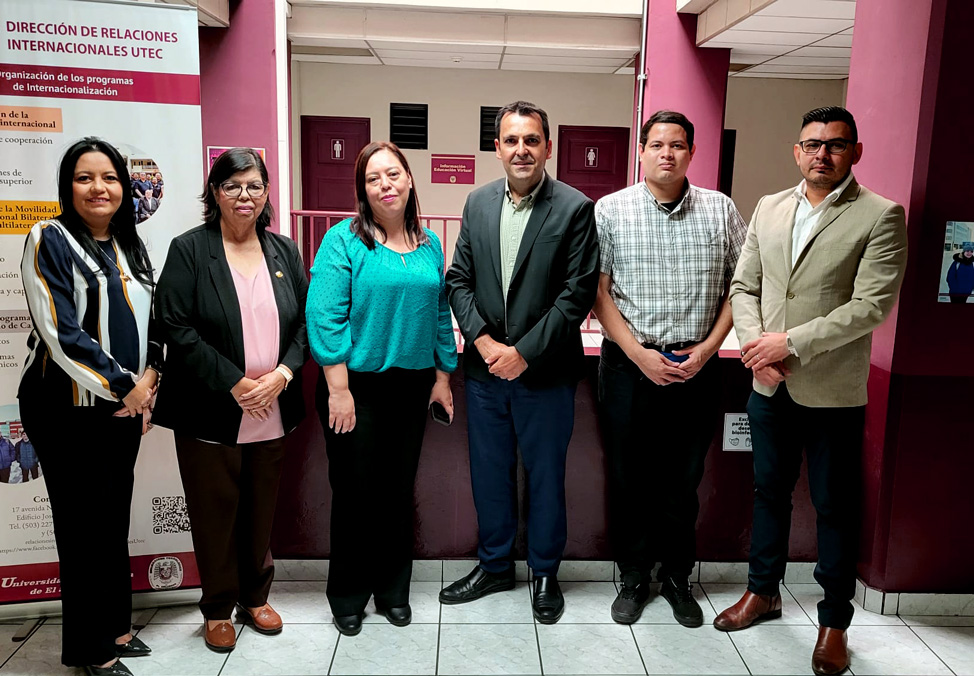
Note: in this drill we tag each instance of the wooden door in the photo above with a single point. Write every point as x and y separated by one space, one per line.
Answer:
329 146
593 160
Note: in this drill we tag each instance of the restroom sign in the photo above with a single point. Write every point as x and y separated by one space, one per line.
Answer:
737 432
591 157
338 149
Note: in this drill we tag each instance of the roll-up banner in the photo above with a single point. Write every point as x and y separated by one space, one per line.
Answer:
127 72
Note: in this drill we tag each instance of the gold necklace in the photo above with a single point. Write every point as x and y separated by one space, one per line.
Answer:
121 273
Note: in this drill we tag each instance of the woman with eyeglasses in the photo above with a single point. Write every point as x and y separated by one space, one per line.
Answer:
230 301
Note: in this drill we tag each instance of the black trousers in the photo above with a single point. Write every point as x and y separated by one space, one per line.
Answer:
656 439
89 469
231 495
372 472
832 440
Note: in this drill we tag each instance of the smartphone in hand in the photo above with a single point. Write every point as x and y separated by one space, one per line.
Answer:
438 414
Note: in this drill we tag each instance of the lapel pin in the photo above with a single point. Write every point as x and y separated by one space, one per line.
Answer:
279 273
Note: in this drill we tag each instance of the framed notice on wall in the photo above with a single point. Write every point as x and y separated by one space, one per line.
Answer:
957 265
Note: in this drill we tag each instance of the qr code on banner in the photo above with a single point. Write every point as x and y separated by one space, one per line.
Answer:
169 515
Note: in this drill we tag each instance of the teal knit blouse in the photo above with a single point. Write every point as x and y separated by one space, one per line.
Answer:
376 310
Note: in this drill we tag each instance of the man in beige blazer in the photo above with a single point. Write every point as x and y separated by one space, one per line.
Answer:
820 270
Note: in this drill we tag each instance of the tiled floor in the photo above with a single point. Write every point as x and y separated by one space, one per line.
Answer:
498 635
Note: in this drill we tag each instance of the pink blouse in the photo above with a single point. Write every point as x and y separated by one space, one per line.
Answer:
261 337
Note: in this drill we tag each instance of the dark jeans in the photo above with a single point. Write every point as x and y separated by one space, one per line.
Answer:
656 439
832 439
231 495
503 416
372 472
89 469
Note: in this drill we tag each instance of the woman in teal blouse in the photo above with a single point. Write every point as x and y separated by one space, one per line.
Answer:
379 325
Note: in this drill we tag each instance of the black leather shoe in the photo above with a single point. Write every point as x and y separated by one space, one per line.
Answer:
350 625
134 648
117 669
397 615
630 602
476 585
679 593
547 601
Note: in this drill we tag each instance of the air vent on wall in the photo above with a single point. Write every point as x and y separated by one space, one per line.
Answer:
409 125
487 115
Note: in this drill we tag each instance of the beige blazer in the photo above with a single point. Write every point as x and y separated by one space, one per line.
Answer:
842 286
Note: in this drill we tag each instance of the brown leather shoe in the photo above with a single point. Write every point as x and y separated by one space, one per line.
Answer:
265 620
222 638
831 654
752 608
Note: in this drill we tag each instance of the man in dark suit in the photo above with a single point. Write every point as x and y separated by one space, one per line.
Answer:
524 276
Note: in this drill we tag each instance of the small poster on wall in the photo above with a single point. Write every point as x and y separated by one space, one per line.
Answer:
957 270
213 152
455 169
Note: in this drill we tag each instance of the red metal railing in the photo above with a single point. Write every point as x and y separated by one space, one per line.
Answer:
308 227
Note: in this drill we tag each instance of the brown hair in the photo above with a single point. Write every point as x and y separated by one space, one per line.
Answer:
364 225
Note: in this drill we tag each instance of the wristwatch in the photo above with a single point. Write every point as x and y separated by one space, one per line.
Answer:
791 346
288 376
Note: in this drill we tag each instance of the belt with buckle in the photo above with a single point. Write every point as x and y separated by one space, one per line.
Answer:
670 347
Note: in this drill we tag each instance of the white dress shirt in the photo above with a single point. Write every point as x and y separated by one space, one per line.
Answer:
807 216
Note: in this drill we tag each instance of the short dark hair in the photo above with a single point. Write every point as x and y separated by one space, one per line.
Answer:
122 226
364 225
666 117
232 162
828 114
524 109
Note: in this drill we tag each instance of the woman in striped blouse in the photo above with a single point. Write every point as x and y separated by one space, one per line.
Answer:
85 393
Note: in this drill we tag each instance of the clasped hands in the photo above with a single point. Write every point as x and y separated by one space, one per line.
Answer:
504 361
140 399
765 357
663 371
256 396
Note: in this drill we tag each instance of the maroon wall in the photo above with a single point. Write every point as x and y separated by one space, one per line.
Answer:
446 522
913 105
238 87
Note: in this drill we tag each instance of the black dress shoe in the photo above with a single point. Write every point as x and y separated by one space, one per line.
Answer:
476 585
397 615
547 601
350 625
134 648
679 593
117 669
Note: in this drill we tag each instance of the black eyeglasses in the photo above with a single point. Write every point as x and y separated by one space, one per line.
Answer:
834 146
255 190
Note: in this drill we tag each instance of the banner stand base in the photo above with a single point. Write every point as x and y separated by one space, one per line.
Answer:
140 601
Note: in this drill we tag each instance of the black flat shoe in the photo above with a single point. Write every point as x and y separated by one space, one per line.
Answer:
477 584
134 648
349 625
547 601
117 669
397 615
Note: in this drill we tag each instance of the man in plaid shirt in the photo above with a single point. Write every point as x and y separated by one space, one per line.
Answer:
668 253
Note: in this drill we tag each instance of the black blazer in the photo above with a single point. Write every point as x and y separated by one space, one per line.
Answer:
553 285
196 305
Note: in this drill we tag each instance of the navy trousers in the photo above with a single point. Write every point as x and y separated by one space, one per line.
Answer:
503 416
832 440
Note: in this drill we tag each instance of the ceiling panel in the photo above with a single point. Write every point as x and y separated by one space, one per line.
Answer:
567 60
551 67
818 50
565 51
792 60
793 24
315 41
385 54
792 76
771 67
833 9
333 58
743 37
458 47
842 40
443 63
